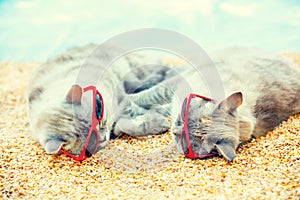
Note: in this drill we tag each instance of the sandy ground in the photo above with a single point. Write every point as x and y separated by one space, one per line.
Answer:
144 168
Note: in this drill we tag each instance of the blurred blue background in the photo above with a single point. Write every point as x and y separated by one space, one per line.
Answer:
35 30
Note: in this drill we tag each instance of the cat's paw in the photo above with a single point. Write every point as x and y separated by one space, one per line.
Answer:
143 125
159 125
176 130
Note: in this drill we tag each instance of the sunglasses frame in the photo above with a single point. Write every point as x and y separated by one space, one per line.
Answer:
95 121
185 131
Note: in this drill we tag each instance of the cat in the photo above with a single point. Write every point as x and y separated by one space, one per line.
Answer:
60 112
261 89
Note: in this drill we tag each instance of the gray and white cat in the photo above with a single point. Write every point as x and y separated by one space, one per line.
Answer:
60 113
261 90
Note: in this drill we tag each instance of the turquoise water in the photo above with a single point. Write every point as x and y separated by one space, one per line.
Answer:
35 30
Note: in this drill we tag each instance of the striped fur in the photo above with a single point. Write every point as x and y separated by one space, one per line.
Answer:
260 90
56 122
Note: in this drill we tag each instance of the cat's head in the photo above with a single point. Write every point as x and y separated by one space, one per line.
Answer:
213 127
66 124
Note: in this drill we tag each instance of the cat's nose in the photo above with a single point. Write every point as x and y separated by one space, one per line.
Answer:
88 153
215 152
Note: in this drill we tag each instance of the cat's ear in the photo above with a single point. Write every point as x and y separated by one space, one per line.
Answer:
53 146
74 95
231 103
226 150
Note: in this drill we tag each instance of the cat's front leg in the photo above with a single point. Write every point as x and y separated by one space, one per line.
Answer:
142 125
135 86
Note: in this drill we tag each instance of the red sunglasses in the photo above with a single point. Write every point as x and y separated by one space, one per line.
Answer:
93 138
189 152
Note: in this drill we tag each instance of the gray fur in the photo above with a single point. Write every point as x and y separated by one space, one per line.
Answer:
57 120
262 89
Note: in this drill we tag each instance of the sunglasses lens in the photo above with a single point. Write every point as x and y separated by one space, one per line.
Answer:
184 143
99 109
183 109
92 145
